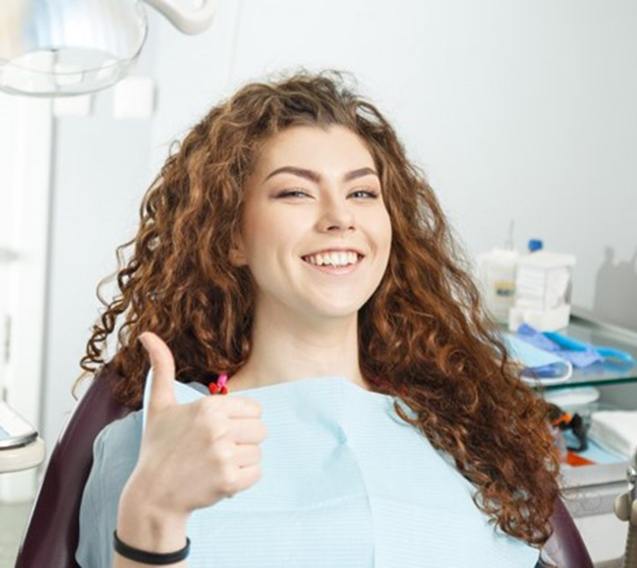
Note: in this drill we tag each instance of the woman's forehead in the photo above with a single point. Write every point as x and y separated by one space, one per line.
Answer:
313 147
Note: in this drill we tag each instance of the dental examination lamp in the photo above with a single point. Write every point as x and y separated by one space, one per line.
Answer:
52 48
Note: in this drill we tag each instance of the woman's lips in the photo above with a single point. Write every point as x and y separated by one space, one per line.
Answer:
336 270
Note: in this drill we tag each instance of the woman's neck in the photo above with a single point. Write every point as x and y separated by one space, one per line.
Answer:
242 380
286 347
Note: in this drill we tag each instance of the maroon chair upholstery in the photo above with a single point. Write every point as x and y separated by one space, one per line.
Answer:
52 532
566 547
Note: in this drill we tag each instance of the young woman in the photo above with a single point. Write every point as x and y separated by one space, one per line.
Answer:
372 418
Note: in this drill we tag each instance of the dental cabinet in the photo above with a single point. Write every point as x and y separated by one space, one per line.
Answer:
590 490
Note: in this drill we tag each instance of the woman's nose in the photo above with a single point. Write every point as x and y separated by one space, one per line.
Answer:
337 215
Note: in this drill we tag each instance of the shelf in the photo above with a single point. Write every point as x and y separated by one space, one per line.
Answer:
595 452
598 333
592 489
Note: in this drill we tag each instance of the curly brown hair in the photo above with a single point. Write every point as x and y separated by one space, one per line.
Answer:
424 330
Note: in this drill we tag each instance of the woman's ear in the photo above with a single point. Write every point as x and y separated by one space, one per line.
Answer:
237 254
236 258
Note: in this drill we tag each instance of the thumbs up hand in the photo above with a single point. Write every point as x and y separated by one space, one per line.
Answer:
193 455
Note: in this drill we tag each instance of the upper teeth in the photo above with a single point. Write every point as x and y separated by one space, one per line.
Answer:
334 258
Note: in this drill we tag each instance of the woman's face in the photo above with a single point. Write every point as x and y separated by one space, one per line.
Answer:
332 175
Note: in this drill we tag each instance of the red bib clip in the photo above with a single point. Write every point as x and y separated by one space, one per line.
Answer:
219 387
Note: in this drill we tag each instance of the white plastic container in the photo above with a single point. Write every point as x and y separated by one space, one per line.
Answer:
543 291
497 273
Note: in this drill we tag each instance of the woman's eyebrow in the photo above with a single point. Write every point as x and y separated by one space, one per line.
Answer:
316 177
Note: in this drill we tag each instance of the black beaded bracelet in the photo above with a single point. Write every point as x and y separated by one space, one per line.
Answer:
159 558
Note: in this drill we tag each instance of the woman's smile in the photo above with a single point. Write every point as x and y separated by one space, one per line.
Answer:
335 270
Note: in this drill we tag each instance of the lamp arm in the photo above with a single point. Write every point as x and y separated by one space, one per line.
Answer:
190 22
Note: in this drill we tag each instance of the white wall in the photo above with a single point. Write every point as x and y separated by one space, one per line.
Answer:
25 161
100 172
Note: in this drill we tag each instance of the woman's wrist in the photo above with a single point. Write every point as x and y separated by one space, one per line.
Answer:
141 525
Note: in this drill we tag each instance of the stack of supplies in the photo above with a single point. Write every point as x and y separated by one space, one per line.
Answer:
537 364
615 430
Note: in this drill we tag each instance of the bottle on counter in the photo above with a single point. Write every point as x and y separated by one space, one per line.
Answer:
497 275
535 245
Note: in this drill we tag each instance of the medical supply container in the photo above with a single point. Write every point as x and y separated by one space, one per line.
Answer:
497 273
543 287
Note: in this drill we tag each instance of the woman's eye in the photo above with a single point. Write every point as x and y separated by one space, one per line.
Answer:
291 192
371 194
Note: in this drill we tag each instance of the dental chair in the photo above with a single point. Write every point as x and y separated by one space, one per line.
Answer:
51 536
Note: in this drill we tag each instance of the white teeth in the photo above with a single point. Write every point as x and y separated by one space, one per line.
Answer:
333 258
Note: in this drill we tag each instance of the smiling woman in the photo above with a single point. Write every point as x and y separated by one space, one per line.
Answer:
290 239
311 214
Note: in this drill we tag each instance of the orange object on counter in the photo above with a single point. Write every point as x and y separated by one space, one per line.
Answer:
574 459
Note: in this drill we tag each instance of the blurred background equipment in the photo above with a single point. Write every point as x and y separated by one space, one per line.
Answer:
543 287
497 269
52 48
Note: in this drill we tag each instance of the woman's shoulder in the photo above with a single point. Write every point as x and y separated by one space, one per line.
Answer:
120 432
115 451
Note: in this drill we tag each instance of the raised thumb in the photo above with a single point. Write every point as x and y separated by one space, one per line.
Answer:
162 362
